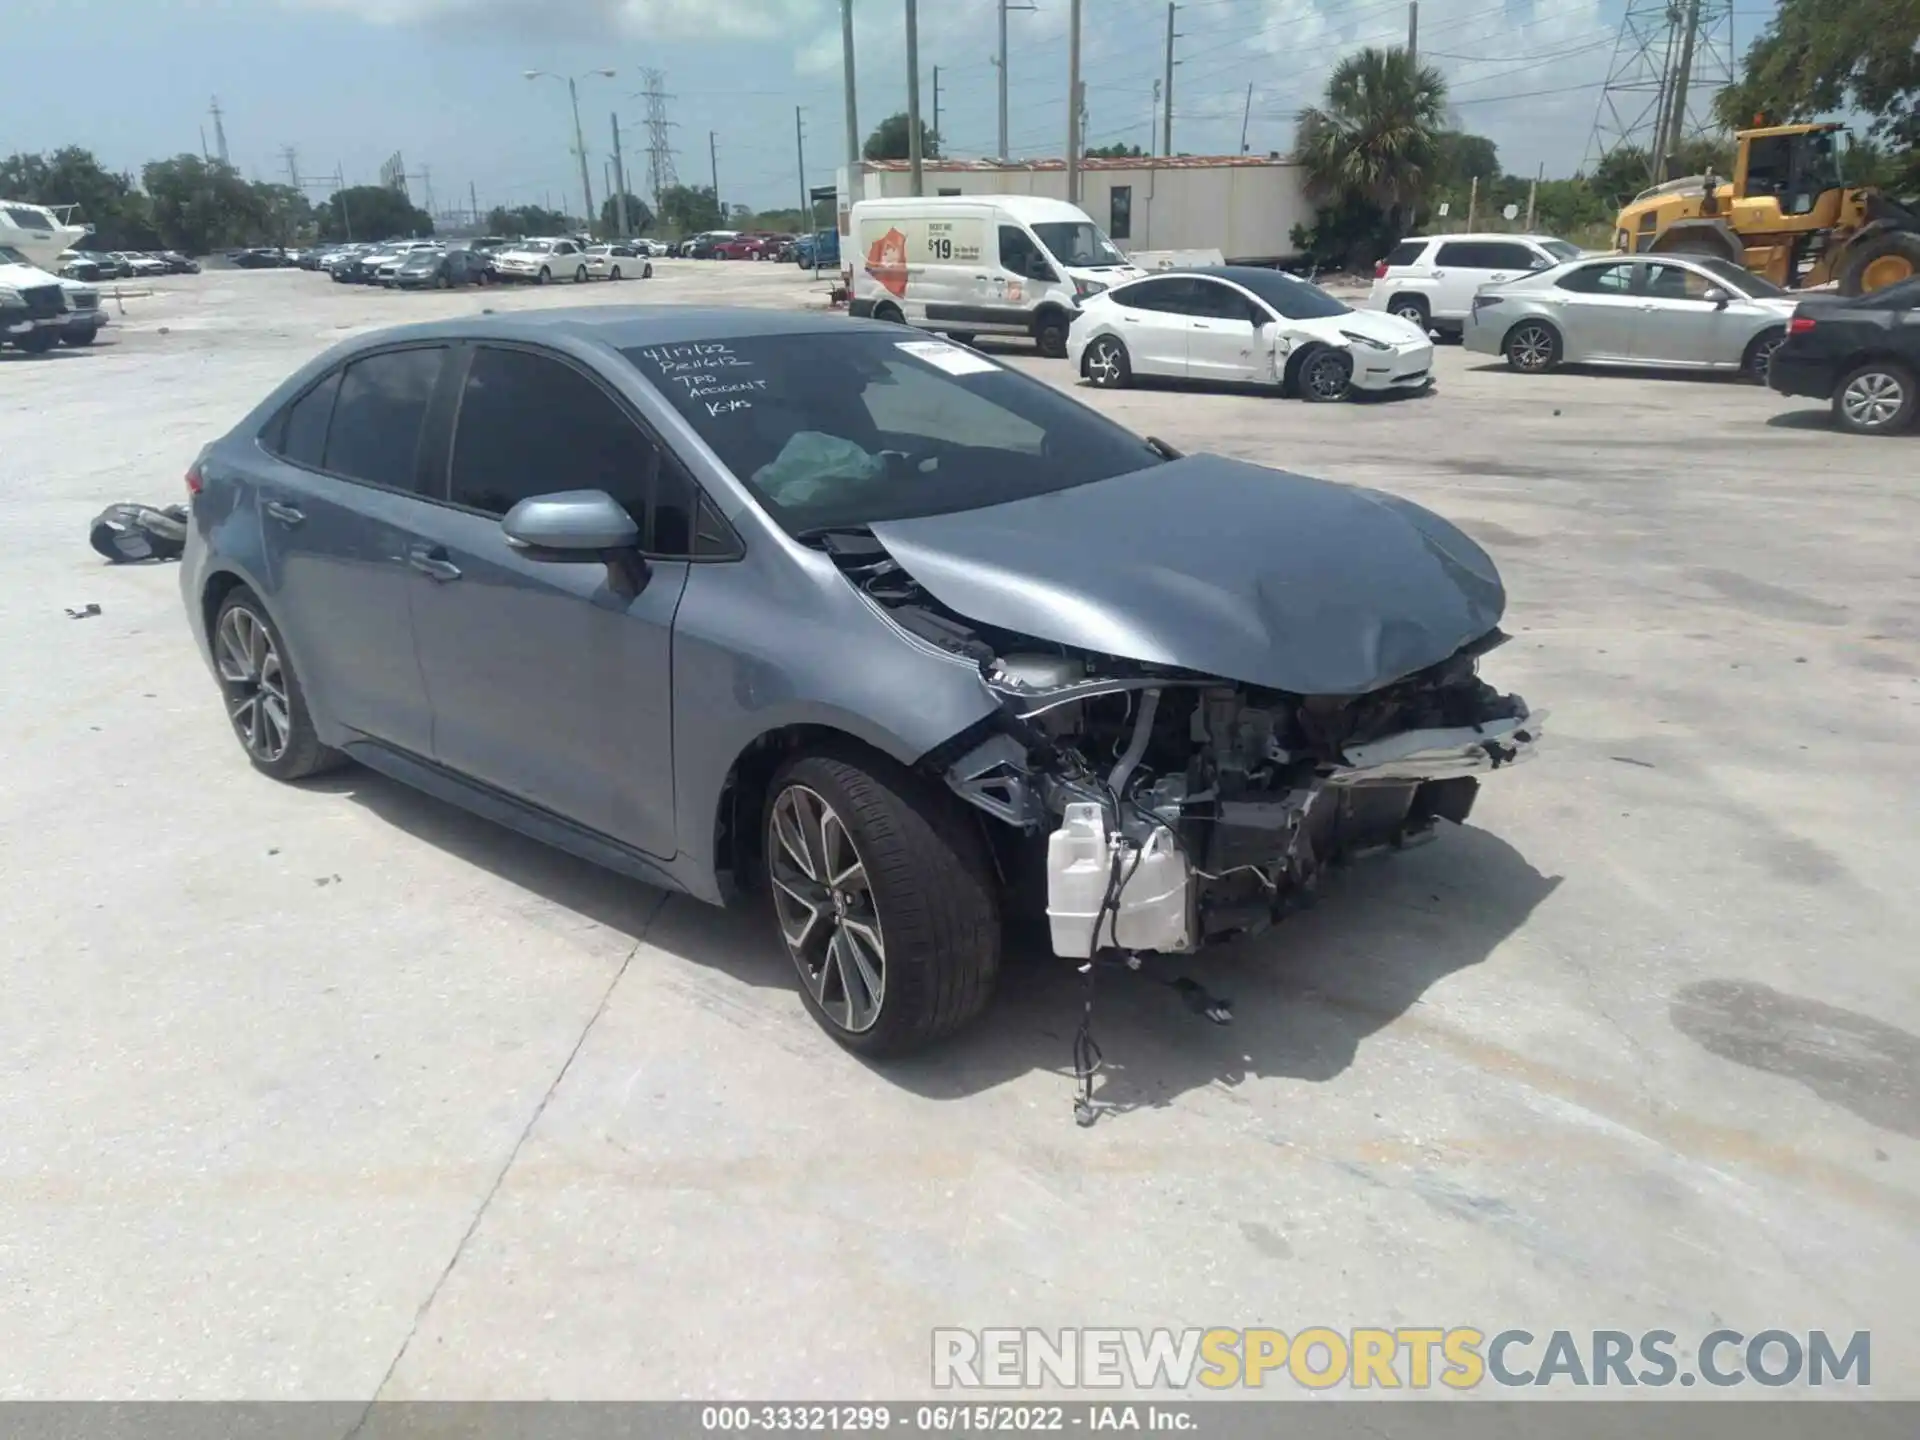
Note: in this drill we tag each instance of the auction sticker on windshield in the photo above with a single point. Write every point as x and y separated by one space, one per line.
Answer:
950 358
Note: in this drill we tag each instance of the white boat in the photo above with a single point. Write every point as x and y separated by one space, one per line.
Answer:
40 232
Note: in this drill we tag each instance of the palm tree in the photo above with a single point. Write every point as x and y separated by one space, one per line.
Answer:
1377 139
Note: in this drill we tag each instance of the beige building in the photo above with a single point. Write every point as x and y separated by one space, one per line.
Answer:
1244 206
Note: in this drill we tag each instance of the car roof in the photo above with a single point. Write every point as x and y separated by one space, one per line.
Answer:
626 326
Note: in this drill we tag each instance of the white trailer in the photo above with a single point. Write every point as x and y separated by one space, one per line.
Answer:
1242 206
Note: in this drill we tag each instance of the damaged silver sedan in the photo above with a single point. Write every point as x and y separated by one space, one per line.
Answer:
847 616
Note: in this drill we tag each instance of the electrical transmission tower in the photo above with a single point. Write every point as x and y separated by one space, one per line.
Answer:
219 131
660 172
1671 58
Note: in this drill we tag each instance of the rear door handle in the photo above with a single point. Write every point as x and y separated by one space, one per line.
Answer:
1201 325
285 514
432 561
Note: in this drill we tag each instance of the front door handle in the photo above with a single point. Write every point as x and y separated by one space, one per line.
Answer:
286 514
1201 325
432 561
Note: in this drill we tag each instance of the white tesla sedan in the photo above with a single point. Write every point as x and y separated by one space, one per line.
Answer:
1241 325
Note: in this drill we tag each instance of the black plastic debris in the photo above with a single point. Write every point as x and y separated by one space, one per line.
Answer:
85 612
127 533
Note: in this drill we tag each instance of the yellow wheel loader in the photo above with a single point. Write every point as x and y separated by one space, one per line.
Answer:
1787 215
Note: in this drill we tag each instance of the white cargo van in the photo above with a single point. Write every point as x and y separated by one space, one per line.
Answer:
980 264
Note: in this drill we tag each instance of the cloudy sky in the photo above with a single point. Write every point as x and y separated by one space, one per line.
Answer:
348 82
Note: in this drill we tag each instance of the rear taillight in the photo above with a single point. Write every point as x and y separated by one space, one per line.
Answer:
1800 324
193 478
1379 269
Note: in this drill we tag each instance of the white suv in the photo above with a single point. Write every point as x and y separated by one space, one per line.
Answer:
1431 280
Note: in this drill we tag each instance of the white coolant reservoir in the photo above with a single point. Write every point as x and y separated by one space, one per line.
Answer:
1152 907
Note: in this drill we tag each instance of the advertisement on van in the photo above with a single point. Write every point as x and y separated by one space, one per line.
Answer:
891 247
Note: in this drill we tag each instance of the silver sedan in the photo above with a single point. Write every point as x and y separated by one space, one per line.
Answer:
1670 311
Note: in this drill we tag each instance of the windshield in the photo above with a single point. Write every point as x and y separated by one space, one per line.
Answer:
422 260
1743 281
838 431
536 247
1562 249
1078 243
1290 297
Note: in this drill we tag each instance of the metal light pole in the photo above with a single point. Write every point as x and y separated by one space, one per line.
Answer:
853 111
1073 103
579 139
913 95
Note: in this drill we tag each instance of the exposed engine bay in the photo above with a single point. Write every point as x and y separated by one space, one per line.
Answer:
1175 809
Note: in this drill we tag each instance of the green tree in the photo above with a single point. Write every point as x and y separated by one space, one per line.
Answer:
889 140
1115 151
72 176
1627 171
286 215
639 216
372 212
529 220
201 205
1461 157
1372 151
1816 57
690 209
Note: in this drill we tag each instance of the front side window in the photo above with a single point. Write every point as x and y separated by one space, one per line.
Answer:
1676 282
1078 243
1214 301
1739 280
1018 253
1561 250
1505 255
532 425
1292 298
836 430
379 414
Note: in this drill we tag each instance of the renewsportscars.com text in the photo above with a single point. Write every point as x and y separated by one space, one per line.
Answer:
1404 1357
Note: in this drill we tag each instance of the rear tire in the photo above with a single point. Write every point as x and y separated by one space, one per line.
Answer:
1878 398
646 271
38 342
885 900
890 313
1412 308
544 276
85 337
264 701
614 274
1882 261
1107 365
1753 365
579 274
1532 347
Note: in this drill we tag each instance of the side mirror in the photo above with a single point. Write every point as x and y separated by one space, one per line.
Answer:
1719 298
574 527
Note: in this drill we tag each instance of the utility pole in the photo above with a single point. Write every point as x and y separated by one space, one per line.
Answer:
853 110
713 161
340 190
1073 103
1413 31
1001 64
913 96
1246 114
219 131
1166 93
1473 203
936 102
619 181
473 204
1153 121
292 157
426 185
1677 108
580 144
800 151
1533 193
205 158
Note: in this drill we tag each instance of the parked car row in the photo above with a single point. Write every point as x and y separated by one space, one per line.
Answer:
736 245
96 265
39 310
432 264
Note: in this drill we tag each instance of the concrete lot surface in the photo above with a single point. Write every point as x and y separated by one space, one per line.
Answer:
332 1091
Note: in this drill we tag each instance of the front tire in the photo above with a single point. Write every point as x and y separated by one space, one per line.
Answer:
1878 398
579 274
545 277
1050 336
646 271
1326 376
614 274
889 313
885 901
1108 367
83 337
1414 310
265 704
38 342
1532 347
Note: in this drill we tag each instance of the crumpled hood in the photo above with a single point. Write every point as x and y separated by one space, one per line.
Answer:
1220 567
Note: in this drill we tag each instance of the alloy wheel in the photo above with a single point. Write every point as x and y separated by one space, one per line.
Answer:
1763 355
826 909
1327 376
1872 399
1414 314
255 684
1531 348
1103 365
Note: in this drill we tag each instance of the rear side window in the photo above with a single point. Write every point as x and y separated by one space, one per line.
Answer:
1407 252
1598 280
379 414
304 438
